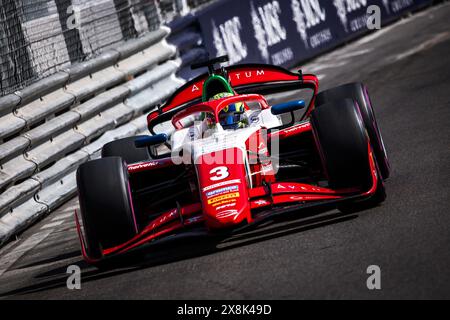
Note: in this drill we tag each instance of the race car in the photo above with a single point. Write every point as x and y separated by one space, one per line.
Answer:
221 159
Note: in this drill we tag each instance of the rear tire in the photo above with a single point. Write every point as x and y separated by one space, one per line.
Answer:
126 149
105 203
359 93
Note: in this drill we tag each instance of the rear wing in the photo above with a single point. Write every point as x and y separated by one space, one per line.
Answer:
244 78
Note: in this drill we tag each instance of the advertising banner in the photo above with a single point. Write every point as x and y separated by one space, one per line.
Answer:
285 32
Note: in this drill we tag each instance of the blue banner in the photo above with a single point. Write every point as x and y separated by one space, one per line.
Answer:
285 32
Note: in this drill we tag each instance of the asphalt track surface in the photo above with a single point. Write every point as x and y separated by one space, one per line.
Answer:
406 67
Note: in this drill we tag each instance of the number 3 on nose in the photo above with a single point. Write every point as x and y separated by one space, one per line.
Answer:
219 173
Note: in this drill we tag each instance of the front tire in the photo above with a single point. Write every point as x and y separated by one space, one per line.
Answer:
358 92
343 144
105 203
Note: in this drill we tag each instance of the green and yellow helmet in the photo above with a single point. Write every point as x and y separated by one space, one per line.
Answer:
231 117
217 87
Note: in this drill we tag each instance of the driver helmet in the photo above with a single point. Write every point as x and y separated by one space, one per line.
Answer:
232 116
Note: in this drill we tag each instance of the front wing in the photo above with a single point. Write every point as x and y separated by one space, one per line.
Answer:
266 202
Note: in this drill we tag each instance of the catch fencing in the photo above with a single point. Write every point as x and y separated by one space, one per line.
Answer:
186 36
40 37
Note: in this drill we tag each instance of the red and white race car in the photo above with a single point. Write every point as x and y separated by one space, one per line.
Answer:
221 159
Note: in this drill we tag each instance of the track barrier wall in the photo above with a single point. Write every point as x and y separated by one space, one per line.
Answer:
49 128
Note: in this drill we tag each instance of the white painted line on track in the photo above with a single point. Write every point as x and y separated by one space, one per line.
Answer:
8 246
354 53
382 31
9 259
63 216
71 208
320 66
342 54
52 224
440 37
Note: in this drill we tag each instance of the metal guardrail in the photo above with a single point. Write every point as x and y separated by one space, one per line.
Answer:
49 128
187 37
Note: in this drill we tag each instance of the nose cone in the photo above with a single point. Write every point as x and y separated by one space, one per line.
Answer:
223 188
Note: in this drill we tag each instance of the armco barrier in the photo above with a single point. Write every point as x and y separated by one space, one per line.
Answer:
286 32
187 37
49 128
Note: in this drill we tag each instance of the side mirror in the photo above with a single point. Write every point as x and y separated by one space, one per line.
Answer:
147 141
286 107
